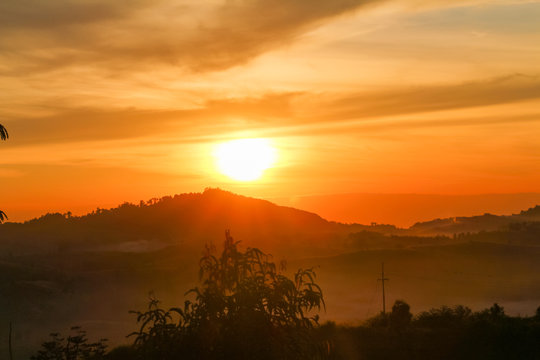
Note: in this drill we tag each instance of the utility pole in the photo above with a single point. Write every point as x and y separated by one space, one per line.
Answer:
383 279
10 351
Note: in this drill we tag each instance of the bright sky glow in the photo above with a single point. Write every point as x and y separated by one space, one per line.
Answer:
114 101
245 159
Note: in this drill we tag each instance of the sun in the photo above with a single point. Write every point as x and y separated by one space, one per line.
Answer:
245 159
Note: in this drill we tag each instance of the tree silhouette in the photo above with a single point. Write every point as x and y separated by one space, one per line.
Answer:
245 309
3 136
400 316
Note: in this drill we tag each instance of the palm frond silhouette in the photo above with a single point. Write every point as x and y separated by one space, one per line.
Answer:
4 135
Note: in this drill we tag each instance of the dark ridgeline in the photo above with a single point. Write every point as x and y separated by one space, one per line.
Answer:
526 233
187 220
474 224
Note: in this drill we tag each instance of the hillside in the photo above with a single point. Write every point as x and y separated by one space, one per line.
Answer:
55 268
486 222
186 220
404 210
189 221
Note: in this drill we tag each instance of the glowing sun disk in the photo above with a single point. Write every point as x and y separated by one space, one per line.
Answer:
245 159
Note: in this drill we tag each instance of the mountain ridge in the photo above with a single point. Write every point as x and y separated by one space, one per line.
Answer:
193 219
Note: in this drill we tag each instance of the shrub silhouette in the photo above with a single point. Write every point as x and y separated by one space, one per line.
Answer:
73 347
444 333
400 316
245 309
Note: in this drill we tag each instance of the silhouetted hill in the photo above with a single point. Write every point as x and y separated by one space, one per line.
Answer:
189 220
486 222
404 210
531 213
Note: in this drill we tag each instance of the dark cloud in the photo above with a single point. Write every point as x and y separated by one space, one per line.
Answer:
27 15
245 29
112 35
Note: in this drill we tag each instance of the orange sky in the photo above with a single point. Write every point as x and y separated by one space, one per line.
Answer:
112 101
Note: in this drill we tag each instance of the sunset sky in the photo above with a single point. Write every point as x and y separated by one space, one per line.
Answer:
112 101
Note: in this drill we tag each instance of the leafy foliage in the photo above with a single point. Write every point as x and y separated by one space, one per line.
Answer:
400 316
444 317
440 333
245 309
73 347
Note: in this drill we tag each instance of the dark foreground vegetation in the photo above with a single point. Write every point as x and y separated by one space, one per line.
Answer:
247 309
442 333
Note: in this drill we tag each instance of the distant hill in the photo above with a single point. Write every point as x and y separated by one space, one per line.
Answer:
517 229
404 210
472 224
190 220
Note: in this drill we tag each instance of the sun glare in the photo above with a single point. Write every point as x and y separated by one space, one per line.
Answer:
245 159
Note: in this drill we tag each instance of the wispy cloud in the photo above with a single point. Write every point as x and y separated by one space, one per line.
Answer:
280 112
435 98
214 117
